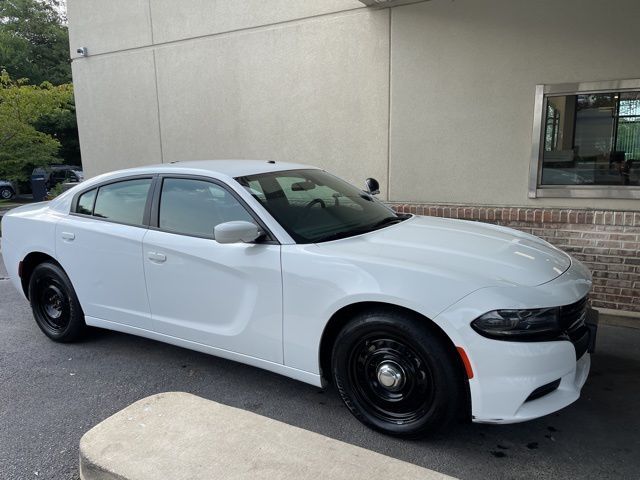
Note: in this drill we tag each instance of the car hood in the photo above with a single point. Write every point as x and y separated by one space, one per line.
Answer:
482 253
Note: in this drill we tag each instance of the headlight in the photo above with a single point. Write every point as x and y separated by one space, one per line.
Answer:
520 325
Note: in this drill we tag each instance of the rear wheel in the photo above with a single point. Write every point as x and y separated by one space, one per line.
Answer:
396 375
54 303
6 193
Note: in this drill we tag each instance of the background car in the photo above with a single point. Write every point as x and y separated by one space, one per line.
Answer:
55 174
7 190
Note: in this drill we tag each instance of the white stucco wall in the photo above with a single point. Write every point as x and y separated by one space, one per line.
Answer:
117 110
463 83
313 92
195 18
436 97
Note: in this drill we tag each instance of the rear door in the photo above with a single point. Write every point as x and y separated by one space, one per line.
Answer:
225 296
100 247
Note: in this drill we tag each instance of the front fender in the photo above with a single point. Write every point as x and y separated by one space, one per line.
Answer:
317 285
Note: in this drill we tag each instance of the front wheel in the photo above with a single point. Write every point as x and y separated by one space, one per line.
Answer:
54 303
396 375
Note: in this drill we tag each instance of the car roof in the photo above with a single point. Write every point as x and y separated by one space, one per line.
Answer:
231 168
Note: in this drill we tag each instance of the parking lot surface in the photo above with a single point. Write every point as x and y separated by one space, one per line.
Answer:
50 394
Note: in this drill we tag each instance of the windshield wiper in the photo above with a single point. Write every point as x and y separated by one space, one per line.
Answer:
359 231
387 221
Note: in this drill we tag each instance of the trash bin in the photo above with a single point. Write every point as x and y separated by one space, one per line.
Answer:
38 188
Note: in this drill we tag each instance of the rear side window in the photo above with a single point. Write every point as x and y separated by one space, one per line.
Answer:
85 202
195 207
123 202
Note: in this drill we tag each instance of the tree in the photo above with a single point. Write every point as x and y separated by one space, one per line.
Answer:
34 41
22 106
62 125
37 121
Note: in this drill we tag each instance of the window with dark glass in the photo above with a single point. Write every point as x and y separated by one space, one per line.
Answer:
592 139
195 207
85 202
314 206
123 202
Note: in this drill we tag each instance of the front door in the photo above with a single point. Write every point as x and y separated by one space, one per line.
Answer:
227 296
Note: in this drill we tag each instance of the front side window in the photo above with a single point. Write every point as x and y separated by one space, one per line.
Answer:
314 206
590 140
195 207
123 202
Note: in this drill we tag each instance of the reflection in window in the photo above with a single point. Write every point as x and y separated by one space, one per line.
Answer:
592 139
552 128
123 202
314 206
85 202
195 207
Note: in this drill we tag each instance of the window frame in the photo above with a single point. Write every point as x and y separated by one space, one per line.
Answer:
154 211
147 208
536 189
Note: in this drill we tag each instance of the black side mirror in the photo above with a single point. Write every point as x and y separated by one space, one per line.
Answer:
373 187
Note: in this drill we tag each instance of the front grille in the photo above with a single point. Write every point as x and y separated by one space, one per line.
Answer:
572 320
572 315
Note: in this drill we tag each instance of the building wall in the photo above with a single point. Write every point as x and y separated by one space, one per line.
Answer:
304 81
435 99
463 77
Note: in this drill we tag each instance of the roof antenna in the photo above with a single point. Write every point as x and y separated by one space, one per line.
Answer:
271 161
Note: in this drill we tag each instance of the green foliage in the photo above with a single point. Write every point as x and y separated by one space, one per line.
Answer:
62 125
34 41
22 106
55 191
37 123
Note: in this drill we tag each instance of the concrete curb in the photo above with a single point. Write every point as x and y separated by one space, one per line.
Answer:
181 436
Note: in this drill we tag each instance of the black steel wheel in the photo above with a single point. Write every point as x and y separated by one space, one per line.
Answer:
395 375
54 303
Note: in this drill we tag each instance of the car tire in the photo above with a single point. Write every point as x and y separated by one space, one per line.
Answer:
6 193
396 375
54 303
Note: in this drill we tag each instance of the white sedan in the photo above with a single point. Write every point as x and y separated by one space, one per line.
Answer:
416 320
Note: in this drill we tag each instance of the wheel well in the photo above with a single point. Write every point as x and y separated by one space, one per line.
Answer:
29 263
342 316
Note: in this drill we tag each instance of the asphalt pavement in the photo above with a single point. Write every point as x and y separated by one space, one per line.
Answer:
51 394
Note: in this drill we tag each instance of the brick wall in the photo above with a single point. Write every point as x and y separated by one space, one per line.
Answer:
608 242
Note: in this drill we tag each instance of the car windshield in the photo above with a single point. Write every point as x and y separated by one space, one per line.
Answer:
314 206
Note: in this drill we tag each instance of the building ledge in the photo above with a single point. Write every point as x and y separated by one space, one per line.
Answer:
389 3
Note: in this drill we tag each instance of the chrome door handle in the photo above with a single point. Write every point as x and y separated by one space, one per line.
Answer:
68 236
156 257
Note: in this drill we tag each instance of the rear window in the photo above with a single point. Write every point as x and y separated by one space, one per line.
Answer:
85 202
123 202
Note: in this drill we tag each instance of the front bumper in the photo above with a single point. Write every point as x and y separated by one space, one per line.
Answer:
509 394
507 375
567 392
